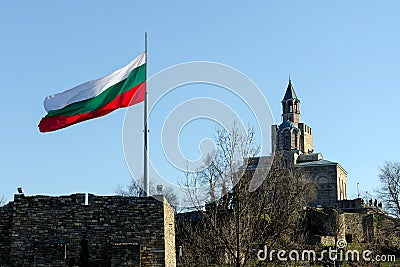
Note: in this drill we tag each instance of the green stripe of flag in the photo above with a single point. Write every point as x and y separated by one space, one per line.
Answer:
137 76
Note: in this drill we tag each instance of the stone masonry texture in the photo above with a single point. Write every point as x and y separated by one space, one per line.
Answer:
105 231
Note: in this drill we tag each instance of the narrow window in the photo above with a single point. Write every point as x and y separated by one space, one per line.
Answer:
286 142
289 106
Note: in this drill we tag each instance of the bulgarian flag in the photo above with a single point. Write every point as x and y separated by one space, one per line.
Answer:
122 88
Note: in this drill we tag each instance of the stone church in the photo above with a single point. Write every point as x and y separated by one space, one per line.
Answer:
294 140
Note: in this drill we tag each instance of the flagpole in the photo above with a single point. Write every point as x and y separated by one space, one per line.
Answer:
146 141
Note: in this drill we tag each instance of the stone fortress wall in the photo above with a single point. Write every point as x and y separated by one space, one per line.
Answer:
104 231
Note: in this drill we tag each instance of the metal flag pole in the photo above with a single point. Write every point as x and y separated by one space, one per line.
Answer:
145 131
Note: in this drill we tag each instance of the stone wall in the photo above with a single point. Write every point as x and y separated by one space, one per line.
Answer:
327 223
341 183
169 234
108 231
5 233
306 139
359 227
274 130
325 177
352 205
323 222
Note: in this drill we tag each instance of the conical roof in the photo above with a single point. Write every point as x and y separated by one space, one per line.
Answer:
290 94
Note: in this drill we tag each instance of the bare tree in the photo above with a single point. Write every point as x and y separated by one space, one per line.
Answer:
136 189
222 168
389 191
388 226
133 189
230 222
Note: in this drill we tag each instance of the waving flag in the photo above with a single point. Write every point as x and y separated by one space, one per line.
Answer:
122 88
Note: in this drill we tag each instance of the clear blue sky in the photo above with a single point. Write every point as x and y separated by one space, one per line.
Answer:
343 58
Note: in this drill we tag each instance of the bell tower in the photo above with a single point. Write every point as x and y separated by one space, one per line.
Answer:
292 135
290 105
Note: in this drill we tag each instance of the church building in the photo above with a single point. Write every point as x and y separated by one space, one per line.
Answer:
294 140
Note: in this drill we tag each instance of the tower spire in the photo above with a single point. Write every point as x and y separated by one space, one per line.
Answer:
290 93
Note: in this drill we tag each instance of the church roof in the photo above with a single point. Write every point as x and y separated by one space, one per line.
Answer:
290 94
322 162
317 163
287 124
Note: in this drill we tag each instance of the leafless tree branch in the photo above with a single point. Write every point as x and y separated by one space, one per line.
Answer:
227 226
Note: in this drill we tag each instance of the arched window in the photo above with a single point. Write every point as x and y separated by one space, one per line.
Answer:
295 139
286 139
